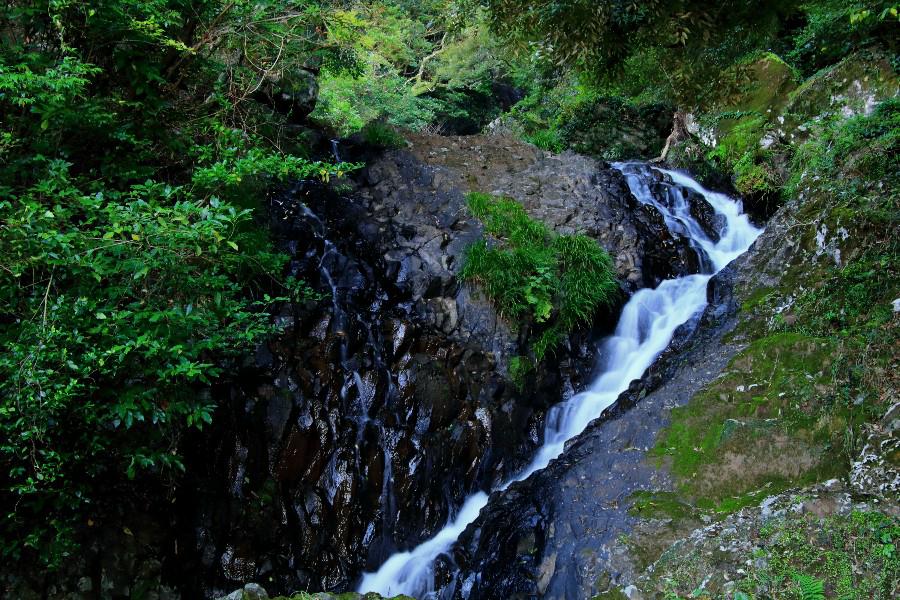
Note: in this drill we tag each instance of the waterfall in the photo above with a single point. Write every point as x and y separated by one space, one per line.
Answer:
645 328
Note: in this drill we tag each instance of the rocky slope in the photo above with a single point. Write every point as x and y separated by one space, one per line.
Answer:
388 401
787 381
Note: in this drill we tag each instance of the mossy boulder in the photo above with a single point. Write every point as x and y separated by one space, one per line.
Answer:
852 87
752 134
613 129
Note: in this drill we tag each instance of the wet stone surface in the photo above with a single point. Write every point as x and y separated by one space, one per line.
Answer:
386 402
554 535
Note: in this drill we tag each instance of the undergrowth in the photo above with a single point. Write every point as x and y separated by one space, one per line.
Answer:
796 556
849 557
382 135
553 282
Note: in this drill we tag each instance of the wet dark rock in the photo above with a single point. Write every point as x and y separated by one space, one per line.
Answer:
293 93
553 535
671 254
713 224
387 402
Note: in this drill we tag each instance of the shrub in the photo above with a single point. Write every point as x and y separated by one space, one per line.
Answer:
834 29
348 102
118 310
128 281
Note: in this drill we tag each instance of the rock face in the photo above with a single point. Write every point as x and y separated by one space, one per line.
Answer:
554 535
387 401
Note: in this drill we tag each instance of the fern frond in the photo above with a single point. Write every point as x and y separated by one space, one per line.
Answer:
810 587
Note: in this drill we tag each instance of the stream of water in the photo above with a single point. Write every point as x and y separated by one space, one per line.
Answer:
645 328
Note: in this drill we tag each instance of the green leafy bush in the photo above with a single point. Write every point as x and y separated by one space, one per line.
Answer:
347 103
130 280
118 310
555 281
833 29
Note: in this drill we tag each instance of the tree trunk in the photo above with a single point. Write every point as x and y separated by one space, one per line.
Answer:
679 133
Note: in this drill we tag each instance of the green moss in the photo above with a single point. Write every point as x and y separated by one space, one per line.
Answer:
657 504
757 297
741 138
739 151
739 122
770 83
766 423
613 594
754 174
553 282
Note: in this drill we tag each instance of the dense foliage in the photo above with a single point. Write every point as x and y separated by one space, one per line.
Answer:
679 47
426 65
129 275
623 63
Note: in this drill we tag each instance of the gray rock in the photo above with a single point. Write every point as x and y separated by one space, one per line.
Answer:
254 591
293 93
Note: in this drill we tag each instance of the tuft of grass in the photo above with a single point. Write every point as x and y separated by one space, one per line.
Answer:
546 139
555 282
382 135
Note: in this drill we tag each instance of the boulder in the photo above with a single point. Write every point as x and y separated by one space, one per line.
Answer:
293 93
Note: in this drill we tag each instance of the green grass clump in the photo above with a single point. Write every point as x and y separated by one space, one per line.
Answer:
557 282
546 139
382 135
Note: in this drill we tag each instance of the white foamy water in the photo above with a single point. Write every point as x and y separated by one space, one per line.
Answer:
646 326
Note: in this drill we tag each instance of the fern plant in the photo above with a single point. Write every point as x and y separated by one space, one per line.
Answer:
810 587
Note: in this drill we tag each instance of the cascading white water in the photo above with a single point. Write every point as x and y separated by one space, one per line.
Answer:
646 326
